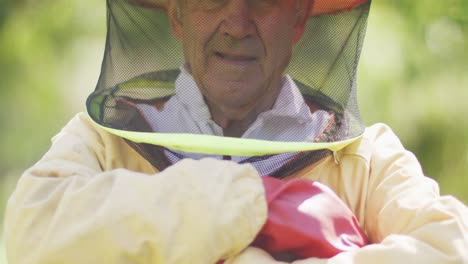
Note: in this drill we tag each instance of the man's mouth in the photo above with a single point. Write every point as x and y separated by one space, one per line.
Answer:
235 57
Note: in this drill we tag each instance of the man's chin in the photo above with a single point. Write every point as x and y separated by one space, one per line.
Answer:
232 107
233 113
237 87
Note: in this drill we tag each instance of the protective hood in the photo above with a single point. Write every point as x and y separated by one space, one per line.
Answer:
147 94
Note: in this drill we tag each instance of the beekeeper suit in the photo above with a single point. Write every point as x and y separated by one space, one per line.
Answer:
198 103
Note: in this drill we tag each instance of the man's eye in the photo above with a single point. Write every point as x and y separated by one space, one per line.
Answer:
210 4
262 5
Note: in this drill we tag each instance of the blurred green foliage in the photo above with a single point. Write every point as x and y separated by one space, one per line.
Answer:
413 76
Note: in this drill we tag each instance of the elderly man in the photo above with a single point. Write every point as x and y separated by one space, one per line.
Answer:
268 84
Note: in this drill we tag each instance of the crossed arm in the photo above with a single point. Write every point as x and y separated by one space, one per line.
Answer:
71 208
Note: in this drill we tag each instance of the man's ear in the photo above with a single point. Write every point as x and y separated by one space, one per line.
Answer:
174 13
302 16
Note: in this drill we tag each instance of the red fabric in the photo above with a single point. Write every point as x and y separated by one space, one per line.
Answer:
307 219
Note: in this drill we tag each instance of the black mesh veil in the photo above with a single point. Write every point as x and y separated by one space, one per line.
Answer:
148 94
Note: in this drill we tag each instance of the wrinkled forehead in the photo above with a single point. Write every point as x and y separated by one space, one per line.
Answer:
257 6
164 3
248 2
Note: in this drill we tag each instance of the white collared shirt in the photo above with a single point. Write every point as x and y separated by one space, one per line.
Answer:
289 119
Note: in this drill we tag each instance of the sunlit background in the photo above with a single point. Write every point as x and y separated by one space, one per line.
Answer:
413 76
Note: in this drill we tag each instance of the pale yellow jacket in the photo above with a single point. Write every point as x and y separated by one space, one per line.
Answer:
93 199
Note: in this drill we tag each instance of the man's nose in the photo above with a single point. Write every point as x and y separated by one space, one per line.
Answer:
238 22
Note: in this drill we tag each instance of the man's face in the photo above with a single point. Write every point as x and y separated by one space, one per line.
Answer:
237 50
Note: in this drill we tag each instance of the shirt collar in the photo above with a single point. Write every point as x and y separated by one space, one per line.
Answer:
189 95
289 103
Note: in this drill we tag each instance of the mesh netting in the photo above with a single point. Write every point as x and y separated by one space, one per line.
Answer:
252 79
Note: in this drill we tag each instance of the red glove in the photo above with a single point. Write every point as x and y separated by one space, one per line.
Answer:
307 219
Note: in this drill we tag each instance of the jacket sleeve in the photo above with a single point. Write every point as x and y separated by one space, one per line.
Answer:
71 207
407 219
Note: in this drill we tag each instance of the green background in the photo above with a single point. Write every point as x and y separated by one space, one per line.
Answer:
413 76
